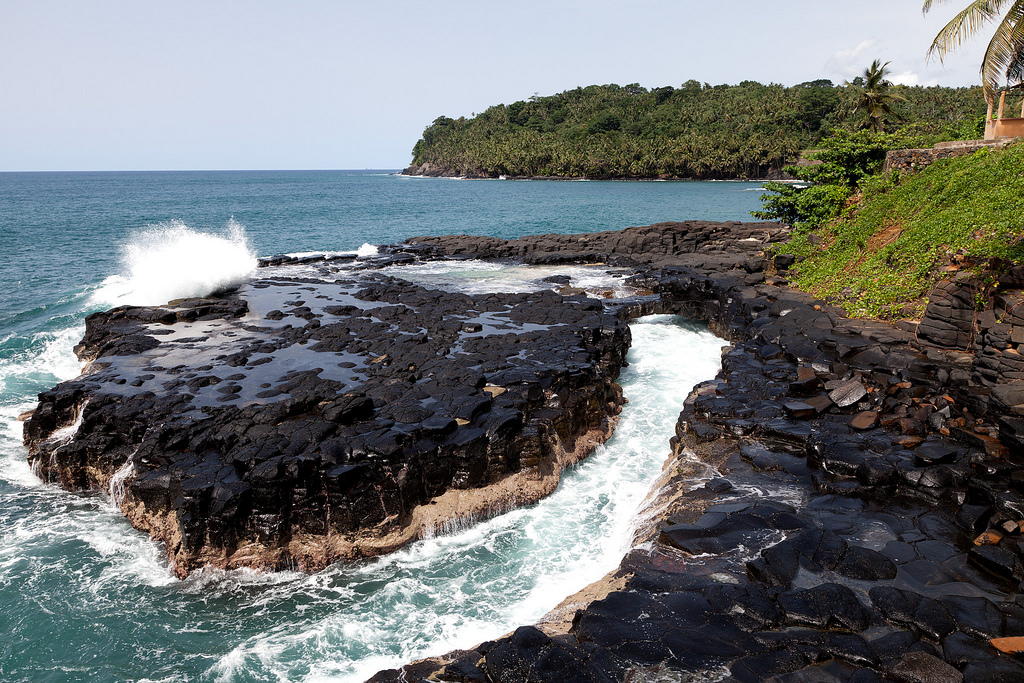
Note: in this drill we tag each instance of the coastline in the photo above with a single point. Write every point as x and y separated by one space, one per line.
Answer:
428 171
864 513
862 524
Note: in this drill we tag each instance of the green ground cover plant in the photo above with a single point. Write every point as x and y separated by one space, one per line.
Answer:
903 233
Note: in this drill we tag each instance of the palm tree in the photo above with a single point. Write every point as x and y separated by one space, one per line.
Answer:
1004 56
876 99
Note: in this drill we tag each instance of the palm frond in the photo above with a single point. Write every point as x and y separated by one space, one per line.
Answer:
1004 50
964 25
1015 72
928 5
1013 37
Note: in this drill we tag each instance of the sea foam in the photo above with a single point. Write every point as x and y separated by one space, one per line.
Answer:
478 582
173 261
365 250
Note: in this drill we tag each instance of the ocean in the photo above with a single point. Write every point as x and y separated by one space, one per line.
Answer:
84 597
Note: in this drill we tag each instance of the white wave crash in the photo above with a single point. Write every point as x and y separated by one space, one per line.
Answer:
364 251
173 261
367 250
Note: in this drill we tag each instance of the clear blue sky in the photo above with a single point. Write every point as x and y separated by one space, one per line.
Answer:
255 84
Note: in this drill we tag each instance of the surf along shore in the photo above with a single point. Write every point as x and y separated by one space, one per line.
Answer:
866 522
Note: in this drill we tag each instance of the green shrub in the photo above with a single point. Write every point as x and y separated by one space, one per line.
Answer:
799 205
845 160
883 256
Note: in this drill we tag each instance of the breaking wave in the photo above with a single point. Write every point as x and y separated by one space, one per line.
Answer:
173 261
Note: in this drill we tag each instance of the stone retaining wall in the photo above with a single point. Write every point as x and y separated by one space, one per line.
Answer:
913 160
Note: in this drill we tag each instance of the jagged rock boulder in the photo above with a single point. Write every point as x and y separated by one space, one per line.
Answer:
949 319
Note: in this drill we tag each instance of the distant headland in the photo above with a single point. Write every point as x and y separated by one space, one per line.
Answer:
696 131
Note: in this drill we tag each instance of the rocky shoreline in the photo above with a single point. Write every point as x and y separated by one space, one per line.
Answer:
865 525
432 170
308 419
865 522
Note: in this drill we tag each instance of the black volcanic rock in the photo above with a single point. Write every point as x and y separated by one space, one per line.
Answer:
700 243
310 419
893 453
949 318
871 528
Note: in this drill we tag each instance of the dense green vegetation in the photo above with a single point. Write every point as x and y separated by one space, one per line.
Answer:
694 131
889 247
842 162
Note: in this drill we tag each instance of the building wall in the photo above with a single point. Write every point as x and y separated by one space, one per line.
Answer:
1004 128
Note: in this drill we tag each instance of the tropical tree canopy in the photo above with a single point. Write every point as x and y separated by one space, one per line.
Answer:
692 131
876 99
1004 56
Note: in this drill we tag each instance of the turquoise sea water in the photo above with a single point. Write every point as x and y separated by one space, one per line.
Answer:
85 597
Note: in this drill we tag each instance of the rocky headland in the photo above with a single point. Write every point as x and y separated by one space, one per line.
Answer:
865 524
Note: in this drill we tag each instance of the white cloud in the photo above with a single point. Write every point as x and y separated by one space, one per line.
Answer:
905 78
911 78
848 55
850 63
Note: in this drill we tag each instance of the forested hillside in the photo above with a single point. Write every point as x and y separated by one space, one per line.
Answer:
748 130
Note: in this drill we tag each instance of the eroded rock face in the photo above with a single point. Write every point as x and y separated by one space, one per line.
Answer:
306 420
434 170
949 320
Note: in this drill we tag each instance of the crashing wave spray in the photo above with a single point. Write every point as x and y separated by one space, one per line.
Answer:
63 436
172 261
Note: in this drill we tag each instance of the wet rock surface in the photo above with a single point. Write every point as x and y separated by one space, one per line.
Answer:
315 417
860 521
844 501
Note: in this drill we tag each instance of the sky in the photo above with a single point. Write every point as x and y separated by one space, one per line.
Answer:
341 84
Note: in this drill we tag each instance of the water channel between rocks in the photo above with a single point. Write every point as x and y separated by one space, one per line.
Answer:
479 581
466 584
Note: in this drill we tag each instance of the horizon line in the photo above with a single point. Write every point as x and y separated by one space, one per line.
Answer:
204 170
